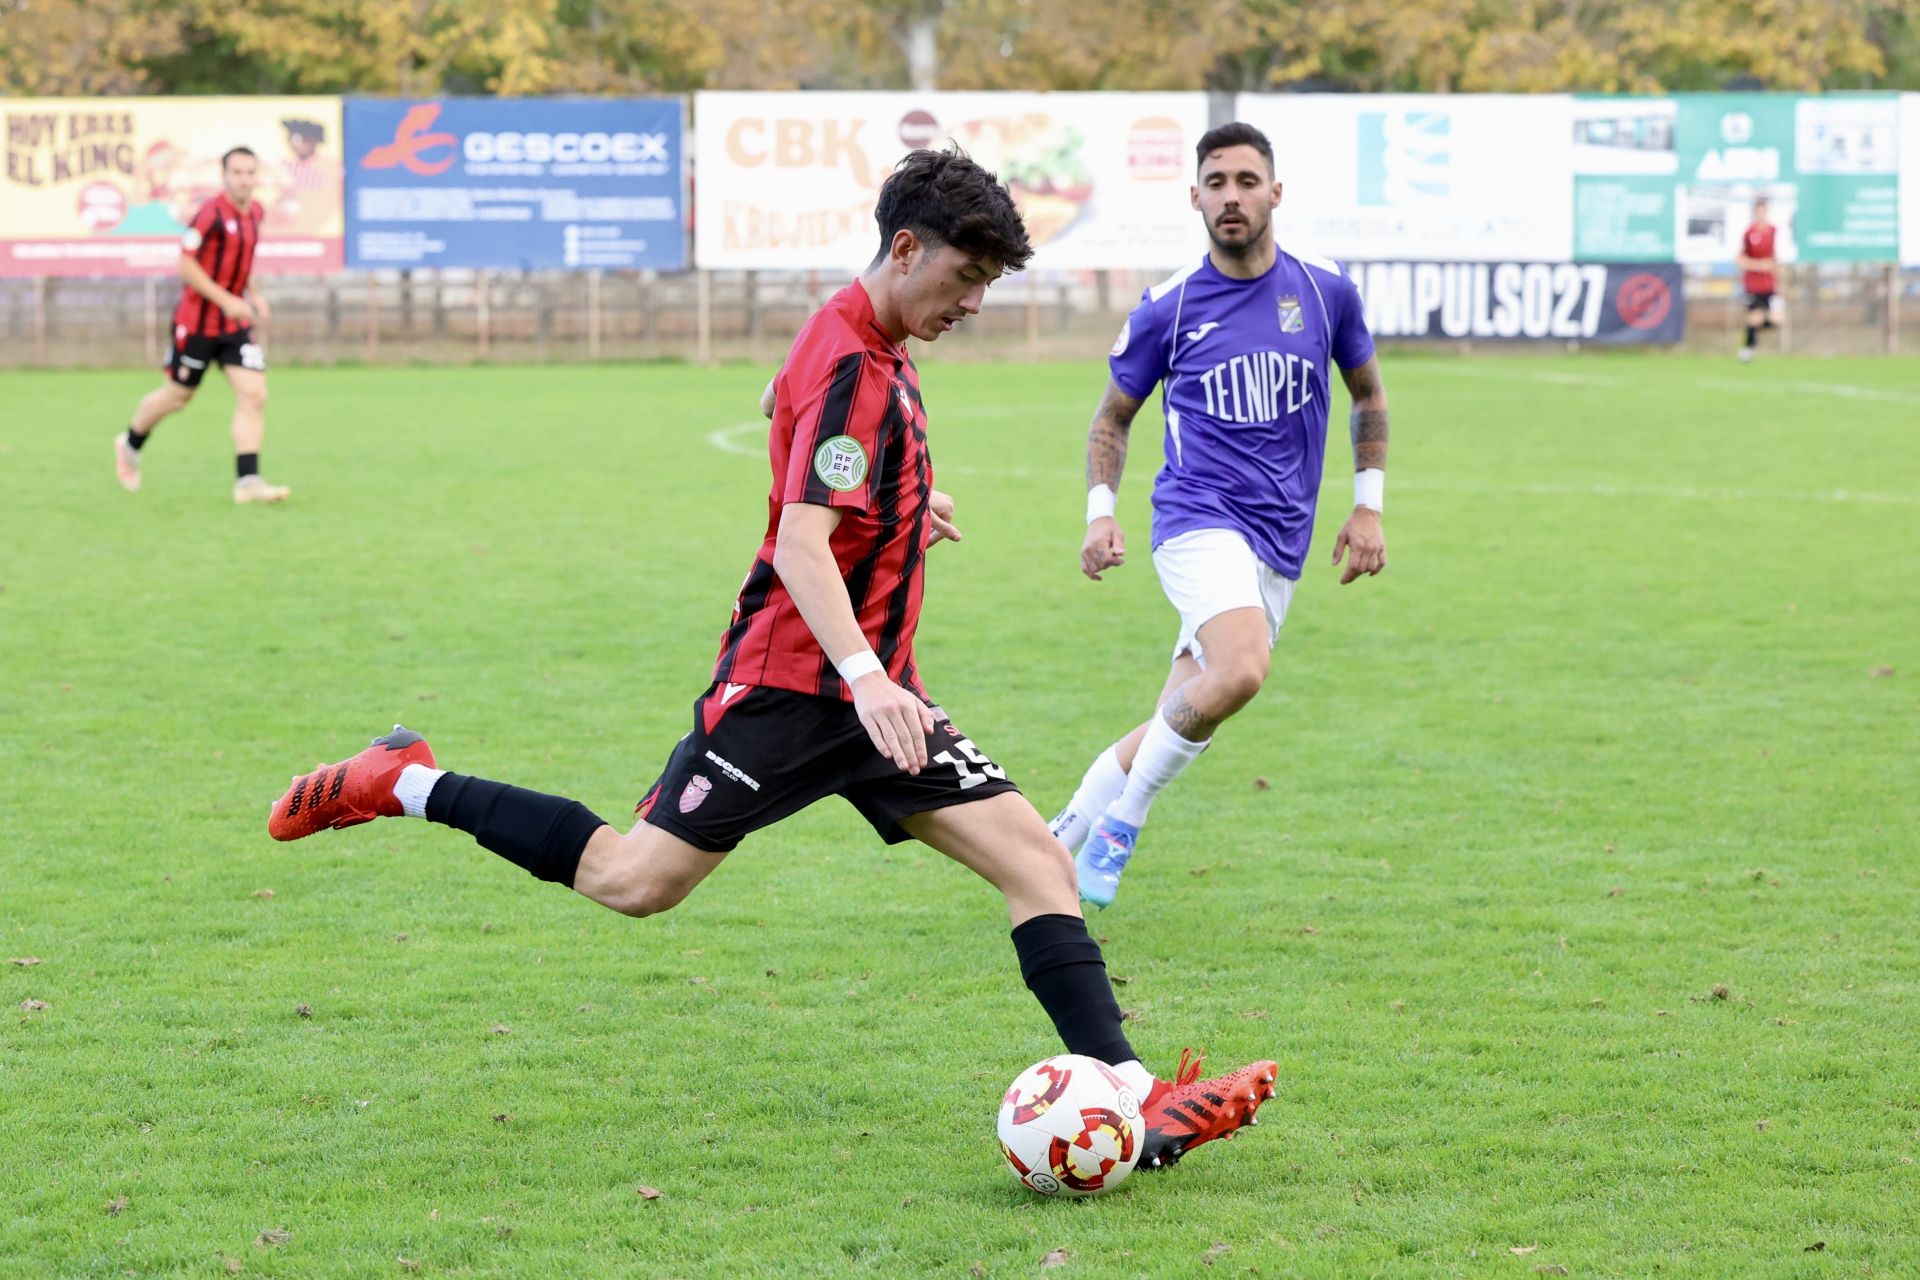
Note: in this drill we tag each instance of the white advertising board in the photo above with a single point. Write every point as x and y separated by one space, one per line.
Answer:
1445 177
788 180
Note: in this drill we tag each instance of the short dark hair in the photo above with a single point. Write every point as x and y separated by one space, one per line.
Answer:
237 151
1759 202
945 198
1237 134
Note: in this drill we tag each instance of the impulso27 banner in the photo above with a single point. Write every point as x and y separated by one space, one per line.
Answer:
106 186
1613 303
788 180
516 183
1440 177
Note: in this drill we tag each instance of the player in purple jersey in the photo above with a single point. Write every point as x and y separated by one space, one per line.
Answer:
1243 343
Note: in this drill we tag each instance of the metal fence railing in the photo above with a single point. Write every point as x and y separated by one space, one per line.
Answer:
457 316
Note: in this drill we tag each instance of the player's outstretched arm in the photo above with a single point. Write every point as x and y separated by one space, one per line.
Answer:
896 720
1105 546
1361 535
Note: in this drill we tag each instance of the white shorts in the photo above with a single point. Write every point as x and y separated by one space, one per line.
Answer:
1206 572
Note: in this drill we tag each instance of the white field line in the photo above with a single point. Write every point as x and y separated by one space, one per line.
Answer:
1836 390
743 439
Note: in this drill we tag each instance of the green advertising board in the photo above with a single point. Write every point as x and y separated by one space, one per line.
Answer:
1674 178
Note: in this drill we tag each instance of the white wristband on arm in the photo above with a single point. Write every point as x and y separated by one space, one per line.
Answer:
1369 488
855 665
1099 502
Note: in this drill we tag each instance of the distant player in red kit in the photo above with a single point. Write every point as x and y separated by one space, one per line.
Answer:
815 692
213 324
1756 261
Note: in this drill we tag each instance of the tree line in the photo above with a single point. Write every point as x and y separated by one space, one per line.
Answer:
70 47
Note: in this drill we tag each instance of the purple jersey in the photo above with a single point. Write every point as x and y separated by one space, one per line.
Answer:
1246 368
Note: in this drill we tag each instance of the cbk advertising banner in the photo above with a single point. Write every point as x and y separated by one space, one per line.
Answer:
1614 303
1440 177
107 186
516 183
789 180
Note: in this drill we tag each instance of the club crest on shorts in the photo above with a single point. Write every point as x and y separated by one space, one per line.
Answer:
841 463
1291 321
695 793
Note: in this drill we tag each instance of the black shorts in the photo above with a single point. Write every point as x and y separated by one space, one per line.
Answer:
1760 302
193 353
757 755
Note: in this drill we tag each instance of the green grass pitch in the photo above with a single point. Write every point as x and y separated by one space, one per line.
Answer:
1568 869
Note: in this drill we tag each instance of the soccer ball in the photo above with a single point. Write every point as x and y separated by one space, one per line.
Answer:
1070 1126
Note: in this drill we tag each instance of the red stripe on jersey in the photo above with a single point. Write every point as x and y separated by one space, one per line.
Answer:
849 432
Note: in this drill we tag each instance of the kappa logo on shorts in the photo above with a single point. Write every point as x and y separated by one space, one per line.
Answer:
697 790
841 463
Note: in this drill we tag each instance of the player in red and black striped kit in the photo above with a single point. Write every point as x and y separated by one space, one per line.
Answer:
1757 263
815 692
213 324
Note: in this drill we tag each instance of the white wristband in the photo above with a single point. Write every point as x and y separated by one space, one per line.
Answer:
1099 502
855 665
1370 488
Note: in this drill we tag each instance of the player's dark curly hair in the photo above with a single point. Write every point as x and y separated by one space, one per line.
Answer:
945 198
1237 134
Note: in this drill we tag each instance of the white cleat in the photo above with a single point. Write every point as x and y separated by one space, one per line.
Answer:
255 489
126 463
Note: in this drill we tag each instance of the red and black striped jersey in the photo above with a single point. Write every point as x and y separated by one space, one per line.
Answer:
849 431
221 239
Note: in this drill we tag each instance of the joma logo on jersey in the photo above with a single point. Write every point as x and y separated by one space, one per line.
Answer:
1258 387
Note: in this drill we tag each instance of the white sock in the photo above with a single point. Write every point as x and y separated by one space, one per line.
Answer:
1162 756
1103 784
1138 1078
413 786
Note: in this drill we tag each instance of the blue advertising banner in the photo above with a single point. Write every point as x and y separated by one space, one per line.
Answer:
511 183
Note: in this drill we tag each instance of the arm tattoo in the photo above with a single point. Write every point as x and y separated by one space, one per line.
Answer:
1107 437
1369 429
1368 425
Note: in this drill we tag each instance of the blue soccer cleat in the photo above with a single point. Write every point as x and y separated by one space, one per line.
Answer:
1103 857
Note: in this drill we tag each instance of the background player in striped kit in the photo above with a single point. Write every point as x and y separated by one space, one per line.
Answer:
213 324
1244 342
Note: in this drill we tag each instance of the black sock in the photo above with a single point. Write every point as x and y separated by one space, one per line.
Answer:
543 834
134 438
1753 334
246 464
1067 974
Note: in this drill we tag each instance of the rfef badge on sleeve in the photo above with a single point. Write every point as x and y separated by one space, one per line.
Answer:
840 463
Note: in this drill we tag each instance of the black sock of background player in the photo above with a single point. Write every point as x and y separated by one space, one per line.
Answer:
543 834
246 464
134 438
1753 335
1067 974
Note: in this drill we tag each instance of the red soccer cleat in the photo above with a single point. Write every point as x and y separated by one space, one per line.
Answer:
1182 1115
350 793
